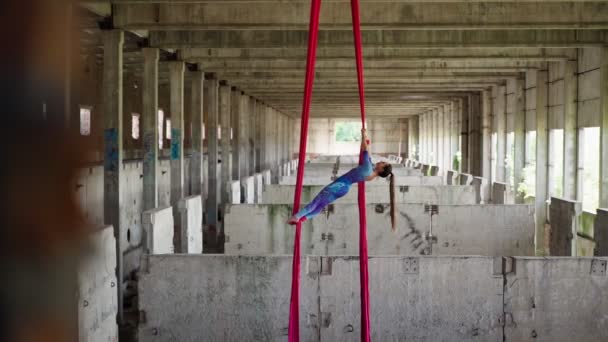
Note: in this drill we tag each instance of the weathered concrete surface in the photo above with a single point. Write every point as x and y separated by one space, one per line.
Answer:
191 211
557 299
600 232
564 219
502 194
235 192
412 298
158 230
258 187
248 189
449 177
460 230
406 180
379 193
465 179
482 190
97 295
190 298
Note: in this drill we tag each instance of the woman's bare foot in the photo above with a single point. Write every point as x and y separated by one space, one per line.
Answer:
293 220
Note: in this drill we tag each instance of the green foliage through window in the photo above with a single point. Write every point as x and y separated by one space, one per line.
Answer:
348 131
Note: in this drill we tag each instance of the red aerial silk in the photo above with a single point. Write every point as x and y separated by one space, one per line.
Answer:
294 314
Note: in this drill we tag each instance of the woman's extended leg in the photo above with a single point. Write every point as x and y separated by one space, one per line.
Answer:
325 197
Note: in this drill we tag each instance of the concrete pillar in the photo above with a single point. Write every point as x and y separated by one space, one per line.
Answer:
434 135
243 137
604 128
176 80
224 118
501 132
440 150
486 122
413 127
519 130
259 137
238 132
570 129
464 134
211 107
250 122
455 130
112 97
150 128
475 135
447 153
422 137
542 149
196 161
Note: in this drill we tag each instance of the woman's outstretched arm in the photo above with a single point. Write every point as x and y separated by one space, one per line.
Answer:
364 139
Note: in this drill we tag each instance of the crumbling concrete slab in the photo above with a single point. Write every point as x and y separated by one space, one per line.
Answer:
235 192
258 187
564 218
248 190
191 212
460 230
600 232
97 289
158 230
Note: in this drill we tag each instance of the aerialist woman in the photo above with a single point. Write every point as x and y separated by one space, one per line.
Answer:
341 186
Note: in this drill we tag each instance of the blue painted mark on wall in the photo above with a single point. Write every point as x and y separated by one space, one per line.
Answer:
176 142
111 149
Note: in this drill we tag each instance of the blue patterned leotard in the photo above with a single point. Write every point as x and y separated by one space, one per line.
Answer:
337 188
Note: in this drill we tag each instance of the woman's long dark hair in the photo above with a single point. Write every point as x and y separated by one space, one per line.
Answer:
388 172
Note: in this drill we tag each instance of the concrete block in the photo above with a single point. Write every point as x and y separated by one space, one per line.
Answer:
434 170
191 212
556 299
267 176
482 190
502 194
600 232
158 230
97 293
235 192
460 230
449 177
564 221
191 298
248 190
258 187
465 179
425 169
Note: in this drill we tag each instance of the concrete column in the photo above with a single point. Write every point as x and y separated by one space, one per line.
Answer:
237 130
224 117
604 128
447 153
455 128
542 149
464 134
475 135
501 132
247 105
252 142
150 127
413 127
196 161
486 135
570 129
211 106
434 136
519 130
421 137
440 151
176 80
112 97
259 137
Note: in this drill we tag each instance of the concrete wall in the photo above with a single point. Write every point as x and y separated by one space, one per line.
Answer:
379 193
460 230
97 292
159 230
412 299
191 212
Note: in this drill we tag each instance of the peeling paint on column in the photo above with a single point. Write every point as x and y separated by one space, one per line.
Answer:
176 135
111 150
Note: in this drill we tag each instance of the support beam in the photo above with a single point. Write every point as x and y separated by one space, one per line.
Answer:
211 105
475 135
196 161
176 79
237 131
464 134
519 157
542 157
260 139
447 136
250 122
150 128
486 124
455 129
336 16
224 117
246 105
500 106
112 96
570 129
414 137
440 137
604 128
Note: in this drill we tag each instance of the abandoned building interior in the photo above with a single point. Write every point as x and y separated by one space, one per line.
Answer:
493 115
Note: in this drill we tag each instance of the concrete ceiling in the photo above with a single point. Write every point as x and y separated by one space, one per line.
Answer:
418 55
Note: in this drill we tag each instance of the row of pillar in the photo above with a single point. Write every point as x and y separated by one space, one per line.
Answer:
254 137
